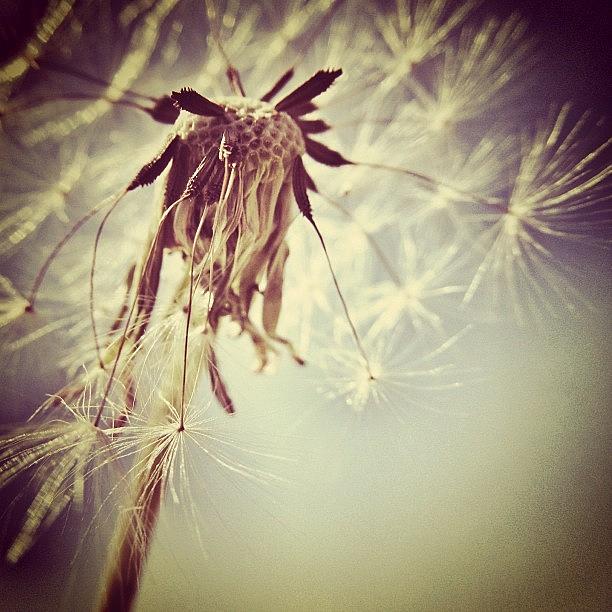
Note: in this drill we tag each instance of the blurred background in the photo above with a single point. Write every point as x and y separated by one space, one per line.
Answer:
481 484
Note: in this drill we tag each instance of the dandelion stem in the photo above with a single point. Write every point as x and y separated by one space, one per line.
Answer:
135 302
188 321
231 72
130 547
54 67
347 314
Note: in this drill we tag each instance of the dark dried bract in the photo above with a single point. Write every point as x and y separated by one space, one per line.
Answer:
164 110
313 87
282 81
324 155
149 172
315 126
191 101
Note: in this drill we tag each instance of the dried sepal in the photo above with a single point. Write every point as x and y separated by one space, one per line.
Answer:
164 110
313 87
150 171
302 109
217 383
273 294
207 172
315 126
324 155
282 81
299 181
191 101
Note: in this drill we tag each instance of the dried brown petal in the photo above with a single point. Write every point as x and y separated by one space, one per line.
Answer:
302 109
164 110
316 126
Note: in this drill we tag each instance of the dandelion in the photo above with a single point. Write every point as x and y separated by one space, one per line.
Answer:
194 222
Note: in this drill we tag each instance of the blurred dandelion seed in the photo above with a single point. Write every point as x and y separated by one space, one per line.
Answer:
558 190
12 303
480 169
57 11
555 196
415 32
38 192
61 452
422 275
404 375
141 47
474 76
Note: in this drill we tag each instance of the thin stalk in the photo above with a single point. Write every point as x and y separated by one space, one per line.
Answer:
132 541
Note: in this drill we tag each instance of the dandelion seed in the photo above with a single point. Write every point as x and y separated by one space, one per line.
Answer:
168 453
556 191
401 375
142 45
473 78
415 32
420 280
61 453
556 196
460 172
57 11
35 190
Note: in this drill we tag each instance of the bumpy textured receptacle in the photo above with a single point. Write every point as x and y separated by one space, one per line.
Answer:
258 132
